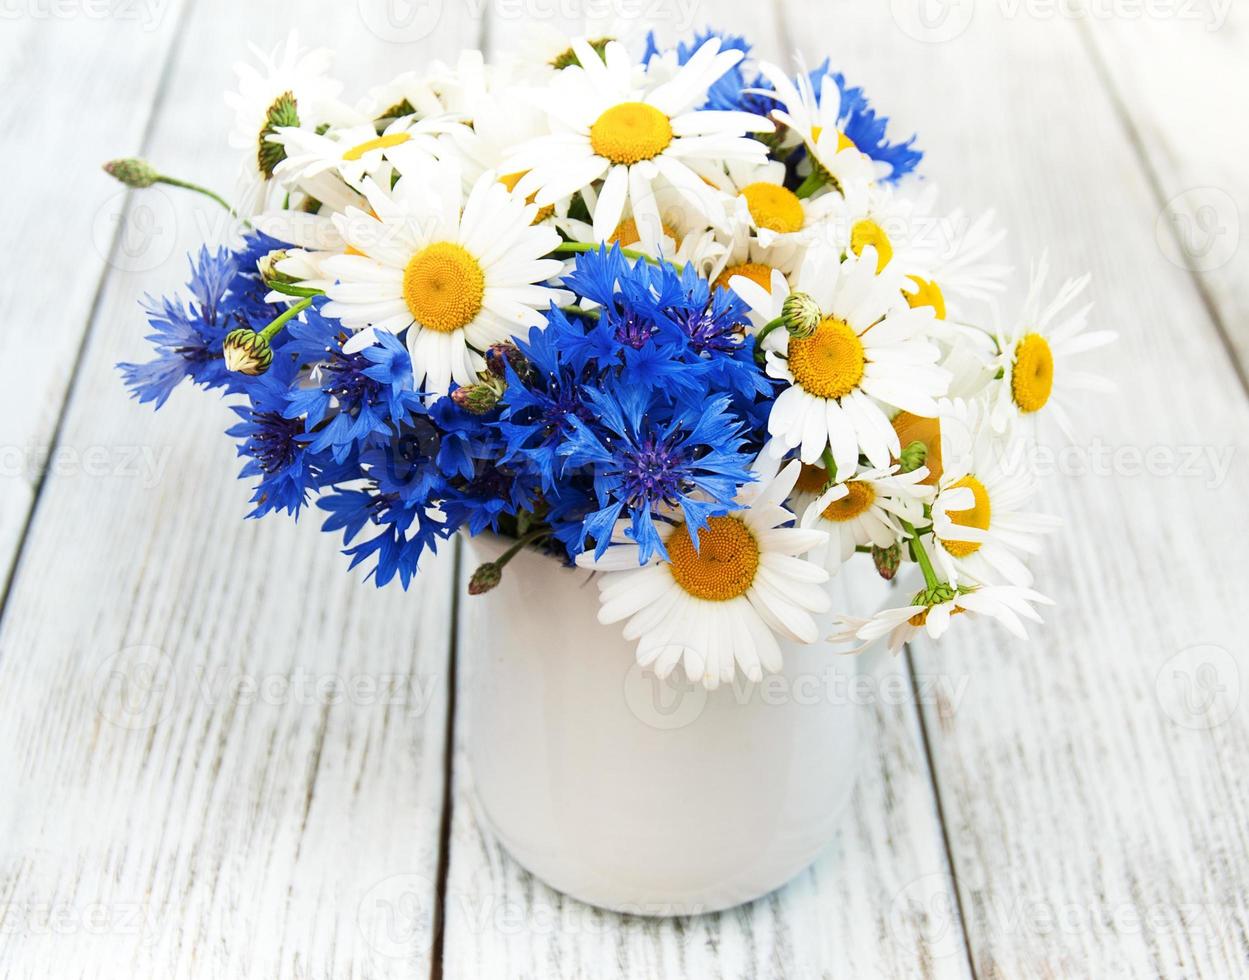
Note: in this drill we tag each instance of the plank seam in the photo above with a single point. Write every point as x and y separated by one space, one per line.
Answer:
941 820
149 128
1154 179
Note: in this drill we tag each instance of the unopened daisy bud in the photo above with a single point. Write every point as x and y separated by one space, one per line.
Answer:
132 172
914 456
802 315
246 352
268 268
887 560
488 575
480 398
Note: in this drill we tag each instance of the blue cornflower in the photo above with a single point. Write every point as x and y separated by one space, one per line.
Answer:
227 292
361 394
728 92
649 458
405 531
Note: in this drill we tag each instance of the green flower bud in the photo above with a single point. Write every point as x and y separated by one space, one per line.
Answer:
132 172
498 356
480 398
914 456
802 315
488 575
887 560
246 352
283 112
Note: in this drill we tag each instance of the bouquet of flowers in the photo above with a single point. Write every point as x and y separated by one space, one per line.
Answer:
685 318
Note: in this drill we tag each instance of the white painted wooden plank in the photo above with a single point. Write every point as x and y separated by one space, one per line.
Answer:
80 81
1182 76
189 793
1093 782
877 903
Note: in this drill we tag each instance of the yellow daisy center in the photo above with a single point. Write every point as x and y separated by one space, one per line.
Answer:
829 363
627 234
774 207
915 428
511 180
754 271
844 142
381 143
977 516
860 498
811 479
927 293
725 563
443 286
631 132
1032 380
868 232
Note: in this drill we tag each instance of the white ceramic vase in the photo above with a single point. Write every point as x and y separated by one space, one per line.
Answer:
642 796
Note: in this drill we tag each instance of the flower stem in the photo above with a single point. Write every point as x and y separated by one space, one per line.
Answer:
269 332
514 550
921 556
576 248
814 181
578 311
830 466
175 182
289 290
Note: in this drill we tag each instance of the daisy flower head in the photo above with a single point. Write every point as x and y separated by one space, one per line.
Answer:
982 528
931 611
815 117
290 88
722 596
613 121
1037 353
858 510
458 274
867 356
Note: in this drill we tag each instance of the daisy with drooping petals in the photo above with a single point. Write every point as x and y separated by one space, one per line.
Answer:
718 605
290 89
868 353
980 522
614 122
1036 354
859 510
458 275
931 611
816 121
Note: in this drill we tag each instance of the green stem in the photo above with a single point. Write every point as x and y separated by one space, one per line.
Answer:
830 466
269 332
514 550
921 556
175 182
289 290
767 329
815 180
578 311
577 248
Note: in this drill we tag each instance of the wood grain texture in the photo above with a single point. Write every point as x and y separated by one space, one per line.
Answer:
61 213
230 751
879 902
1180 77
1093 781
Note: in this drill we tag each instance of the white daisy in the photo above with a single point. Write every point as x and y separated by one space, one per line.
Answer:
815 121
859 510
356 152
458 275
721 604
616 123
868 352
1037 352
306 220
980 522
959 268
290 89
932 610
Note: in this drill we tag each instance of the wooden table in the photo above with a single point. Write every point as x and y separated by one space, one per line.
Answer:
1073 807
